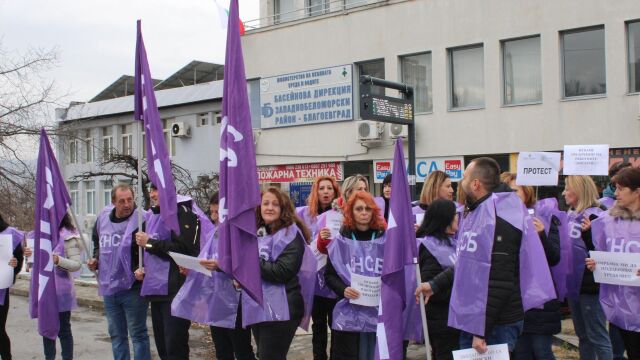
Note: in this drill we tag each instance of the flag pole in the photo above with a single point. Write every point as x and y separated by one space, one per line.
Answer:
140 198
75 223
423 313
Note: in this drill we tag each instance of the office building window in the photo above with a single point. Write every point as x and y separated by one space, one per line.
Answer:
127 139
583 62
107 185
317 7
203 119
416 71
284 10
74 194
107 143
89 148
374 68
73 151
90 192
466 72
169 140
521 72
633 51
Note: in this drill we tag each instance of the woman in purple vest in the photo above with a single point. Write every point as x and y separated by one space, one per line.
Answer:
383 201
581 195
359 249
437 252
436 186
617 231
282 242
324 191
16 238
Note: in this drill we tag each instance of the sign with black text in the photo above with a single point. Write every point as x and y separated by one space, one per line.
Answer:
538 168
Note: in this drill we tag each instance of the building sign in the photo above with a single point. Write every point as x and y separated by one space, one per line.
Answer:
309 97
452 166
299 172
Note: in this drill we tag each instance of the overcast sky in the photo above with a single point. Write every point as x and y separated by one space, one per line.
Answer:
96 38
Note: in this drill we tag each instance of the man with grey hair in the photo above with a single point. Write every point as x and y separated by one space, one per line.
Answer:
115 258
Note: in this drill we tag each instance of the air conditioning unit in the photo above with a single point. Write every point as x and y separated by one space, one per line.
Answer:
368 130
180 129
397 130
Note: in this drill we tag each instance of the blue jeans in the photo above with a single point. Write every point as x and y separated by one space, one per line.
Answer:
534 347
591 328
126 313
65 336
501 334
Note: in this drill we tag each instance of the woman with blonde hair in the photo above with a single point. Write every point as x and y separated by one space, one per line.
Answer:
436 186
581 195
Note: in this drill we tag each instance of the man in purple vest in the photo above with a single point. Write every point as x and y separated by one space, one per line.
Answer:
503 315
116 259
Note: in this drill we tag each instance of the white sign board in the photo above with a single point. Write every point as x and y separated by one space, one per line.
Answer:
538 168
586 160
320 257
6 254
452 166
616 268
189 262
369 289
308 97
334 223
494 352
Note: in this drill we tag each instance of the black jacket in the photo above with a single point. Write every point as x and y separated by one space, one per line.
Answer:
17 253
284 270
187 243
438 305
546 321
589 285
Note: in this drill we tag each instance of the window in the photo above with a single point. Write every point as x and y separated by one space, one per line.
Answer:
348 4
317 7
75 197
107 143
107 185
219 118
284 10
89 154
633 39
416 71
169 140
73 151
127 139
466 70
90 191
521 72
203 119
374 68
583 62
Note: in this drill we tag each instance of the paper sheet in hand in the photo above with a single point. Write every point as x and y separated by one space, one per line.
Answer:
6 253
334 223
320 257
494 352
29 259
369 289
189 262
616 268
419 218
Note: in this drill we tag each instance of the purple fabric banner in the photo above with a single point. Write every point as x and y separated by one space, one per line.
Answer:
16 239
400 250
239 189
445 254
621 304
52 200
146 109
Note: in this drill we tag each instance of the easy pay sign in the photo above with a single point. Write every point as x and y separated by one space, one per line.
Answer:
452 166
538 168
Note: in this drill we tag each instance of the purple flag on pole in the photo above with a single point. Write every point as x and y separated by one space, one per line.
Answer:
400 250
52 199
146 109
239 190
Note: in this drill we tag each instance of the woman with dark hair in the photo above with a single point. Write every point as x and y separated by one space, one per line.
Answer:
288 269
609 193
324 191
437 252
383 201
15 237
361 237
618 231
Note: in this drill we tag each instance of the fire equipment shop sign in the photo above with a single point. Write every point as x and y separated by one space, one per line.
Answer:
299 172
452 166
308 97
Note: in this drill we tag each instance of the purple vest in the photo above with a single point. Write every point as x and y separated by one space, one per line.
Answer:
65 289
607 202
156 274
445 254
467 310
276 305
379 200
115 273
360 257
578 252
621 304
16 237
321 288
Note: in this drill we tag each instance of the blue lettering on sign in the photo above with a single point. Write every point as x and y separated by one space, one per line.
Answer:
267 110
420 169
454 174
433 167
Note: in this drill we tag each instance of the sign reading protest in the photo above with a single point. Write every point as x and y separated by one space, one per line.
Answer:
308 97
494 352
369 289
616 268
299 172
538 168
586 160
452 166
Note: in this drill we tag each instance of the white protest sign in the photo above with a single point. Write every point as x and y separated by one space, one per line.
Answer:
369 289
419 218
320 257
586 160
30 244
6 253
189 262
334 223
494 352
538 168
616 268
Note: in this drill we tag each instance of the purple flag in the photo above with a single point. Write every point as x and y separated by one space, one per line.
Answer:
146 109
239 190
400 250
52 199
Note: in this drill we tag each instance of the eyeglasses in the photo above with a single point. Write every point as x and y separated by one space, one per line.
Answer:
362 208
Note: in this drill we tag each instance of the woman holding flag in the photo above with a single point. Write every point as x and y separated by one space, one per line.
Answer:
15 237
